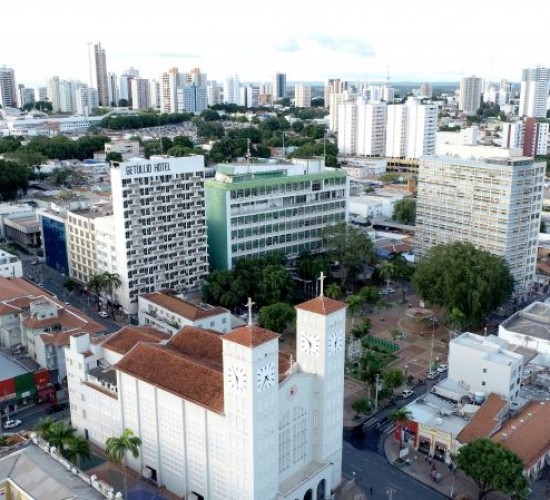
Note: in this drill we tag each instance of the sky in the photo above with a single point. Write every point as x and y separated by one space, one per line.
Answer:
355 40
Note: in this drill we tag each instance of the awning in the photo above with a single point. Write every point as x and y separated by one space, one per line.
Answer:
44 393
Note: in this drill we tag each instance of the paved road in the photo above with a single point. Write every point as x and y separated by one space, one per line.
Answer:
363 457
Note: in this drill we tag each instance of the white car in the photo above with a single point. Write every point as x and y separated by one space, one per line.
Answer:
406 393
103 314
443 367
432 375
11 424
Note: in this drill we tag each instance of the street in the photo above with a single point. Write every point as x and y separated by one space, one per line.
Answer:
363 458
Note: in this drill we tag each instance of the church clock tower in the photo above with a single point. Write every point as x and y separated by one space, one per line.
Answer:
320 335
251 387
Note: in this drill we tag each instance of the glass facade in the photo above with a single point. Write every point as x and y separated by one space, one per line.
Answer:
54 238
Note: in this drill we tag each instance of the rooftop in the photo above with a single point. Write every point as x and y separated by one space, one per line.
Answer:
432 411
127 337
528 433
533 321
322 305
9 368
183 308
493 349
251 335
486 421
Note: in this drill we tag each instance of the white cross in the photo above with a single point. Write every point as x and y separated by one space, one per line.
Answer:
249 304
322 280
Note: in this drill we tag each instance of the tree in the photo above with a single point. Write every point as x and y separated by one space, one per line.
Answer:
118 447
458 275
456 319
350 247
113 156
122 103
404 211
493 468
387 271
76 448
63 437
70 284
393 379
333 291
97 283
14 178
361 406
277 317
354 302
276 285
112 282
370 295
371 367
400 416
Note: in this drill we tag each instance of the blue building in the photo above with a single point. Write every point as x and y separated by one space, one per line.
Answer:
54 240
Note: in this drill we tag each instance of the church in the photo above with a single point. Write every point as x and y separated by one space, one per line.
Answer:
229 416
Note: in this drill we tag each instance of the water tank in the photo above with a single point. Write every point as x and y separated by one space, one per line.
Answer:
479 398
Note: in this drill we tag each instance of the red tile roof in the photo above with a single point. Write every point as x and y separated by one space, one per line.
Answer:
486 421
69 318
251 335
186 309
200 344
528 433
174 372
129 336
322 305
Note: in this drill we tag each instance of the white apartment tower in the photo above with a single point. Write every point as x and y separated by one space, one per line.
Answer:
534 92
160 226
231 92
490 197
302 95
140 93
8 88
362 128
470 94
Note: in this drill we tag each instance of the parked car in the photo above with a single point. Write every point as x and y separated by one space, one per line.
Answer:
407 393
432 375
103 314
443 367
56 407
387 291
11 424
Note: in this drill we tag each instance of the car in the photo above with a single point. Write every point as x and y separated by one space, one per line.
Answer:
407 393
103 314
56 407
431 375
387 291
443 367
11 424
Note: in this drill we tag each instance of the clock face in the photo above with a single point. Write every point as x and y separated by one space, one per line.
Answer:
335 342
265 376
236 377
310 343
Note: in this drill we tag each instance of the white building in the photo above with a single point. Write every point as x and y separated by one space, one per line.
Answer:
8 88
490 197
411 129
160 226
302 95
485 365
231 90
529 328
371 206
529 134
535 83
470 95
170 313
222 416
10 265
361 168
141 94
362 128
86 99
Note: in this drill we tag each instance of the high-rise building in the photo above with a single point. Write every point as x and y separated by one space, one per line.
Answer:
191 98
160 226
470 94
302 95
25 95
533 99
154 94
529 134
125 91
411 129
490 197
113 89
86 99
287 208
231 92
213 93
252 96
279 86
8 88
183 91
140 93
504 92
40 93
362 128
101 75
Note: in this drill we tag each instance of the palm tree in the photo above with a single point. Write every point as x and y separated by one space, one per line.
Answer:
370 295
75 448
118 447
97 283
400 416
61 436
387 271
43 426
354 302
333 291
58 434
112 282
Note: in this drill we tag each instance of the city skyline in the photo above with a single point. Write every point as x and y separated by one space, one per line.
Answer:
304 41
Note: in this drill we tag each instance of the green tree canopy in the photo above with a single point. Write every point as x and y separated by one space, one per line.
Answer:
113 156
277 317
393 379
458 275
404 211
493 468
13 179
361 406
276 285
350 247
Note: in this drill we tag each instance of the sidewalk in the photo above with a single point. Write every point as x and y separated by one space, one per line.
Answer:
457 484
